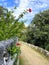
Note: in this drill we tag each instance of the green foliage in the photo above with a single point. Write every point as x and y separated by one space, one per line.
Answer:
9 26
38 30
47 47
14 49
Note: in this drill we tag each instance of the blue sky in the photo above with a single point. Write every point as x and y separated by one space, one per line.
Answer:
35 5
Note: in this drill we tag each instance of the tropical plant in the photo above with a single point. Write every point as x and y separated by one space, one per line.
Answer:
9 26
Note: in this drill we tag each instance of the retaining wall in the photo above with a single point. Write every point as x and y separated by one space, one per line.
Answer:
41 50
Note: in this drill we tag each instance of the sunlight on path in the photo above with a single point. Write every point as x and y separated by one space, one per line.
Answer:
31 57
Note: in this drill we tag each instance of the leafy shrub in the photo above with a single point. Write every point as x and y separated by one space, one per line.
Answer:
47 47
13 50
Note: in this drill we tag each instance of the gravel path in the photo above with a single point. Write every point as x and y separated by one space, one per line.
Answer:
31 57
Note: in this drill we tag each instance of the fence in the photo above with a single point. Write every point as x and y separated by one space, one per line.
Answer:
5 58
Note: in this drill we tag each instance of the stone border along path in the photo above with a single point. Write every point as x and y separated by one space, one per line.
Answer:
31 57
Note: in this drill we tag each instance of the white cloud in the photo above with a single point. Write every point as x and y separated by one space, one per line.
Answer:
44 5
44 1
26 24
10 8
38 6
22 6
35 5
3 0
16 1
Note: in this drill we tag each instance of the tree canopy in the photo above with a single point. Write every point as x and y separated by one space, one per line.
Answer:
38 30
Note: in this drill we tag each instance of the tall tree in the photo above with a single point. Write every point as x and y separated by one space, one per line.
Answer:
38 31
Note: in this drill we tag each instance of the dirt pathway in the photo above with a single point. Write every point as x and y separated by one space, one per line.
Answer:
31 57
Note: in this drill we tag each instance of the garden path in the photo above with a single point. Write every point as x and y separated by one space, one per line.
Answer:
32 57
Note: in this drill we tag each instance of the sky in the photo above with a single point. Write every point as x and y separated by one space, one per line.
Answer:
36 6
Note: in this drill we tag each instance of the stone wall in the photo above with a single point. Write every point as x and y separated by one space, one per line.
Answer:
41 50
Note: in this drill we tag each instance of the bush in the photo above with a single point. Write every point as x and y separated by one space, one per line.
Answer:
47 47
13 50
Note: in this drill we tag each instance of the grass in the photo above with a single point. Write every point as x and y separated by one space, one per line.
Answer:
21 62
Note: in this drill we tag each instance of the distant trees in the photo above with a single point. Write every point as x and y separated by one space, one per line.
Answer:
38 30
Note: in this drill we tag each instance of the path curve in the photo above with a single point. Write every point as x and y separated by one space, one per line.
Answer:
31 57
